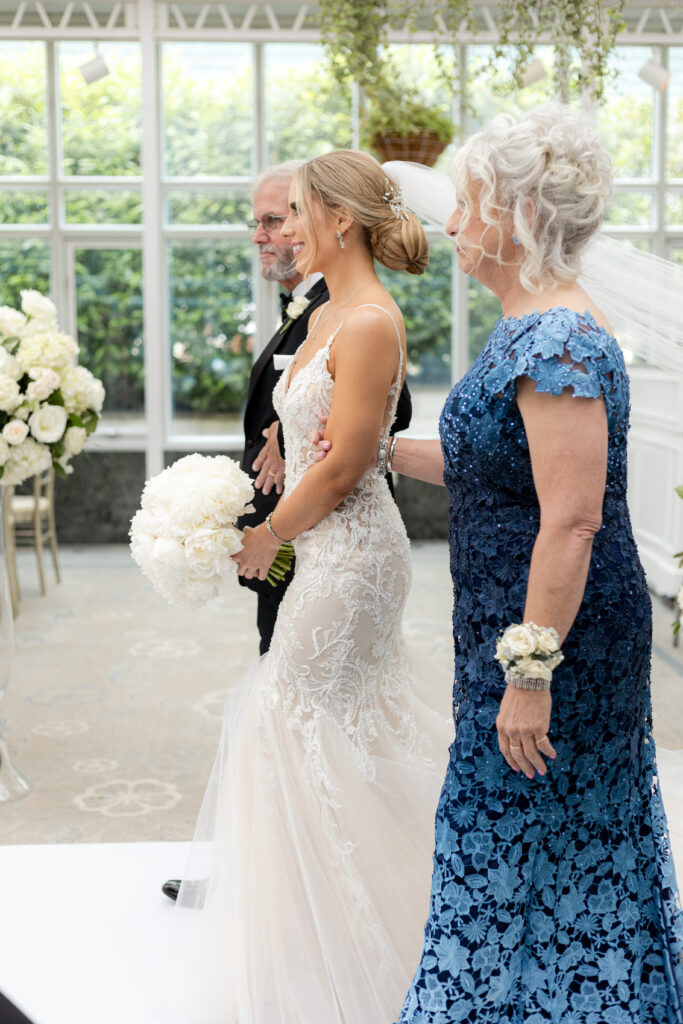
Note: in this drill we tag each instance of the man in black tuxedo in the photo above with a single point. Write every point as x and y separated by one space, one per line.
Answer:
263 441
264 445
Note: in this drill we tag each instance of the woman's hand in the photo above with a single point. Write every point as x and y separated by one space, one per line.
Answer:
318 443
322 447
523 722
257 554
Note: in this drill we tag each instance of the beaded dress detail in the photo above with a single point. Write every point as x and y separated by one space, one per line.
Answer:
321 803
554 900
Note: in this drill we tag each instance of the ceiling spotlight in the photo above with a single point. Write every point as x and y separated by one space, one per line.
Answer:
533 73
655 75
94 69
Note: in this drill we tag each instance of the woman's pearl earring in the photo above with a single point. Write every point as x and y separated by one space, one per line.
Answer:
341 239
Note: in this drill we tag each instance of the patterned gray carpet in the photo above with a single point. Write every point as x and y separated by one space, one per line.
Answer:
114 706
115 702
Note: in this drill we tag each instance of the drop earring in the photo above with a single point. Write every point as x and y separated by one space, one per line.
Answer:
341 239
515 240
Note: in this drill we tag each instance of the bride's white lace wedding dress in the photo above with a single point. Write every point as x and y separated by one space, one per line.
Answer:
316 832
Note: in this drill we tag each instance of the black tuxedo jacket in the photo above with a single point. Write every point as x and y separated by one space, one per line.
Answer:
259 413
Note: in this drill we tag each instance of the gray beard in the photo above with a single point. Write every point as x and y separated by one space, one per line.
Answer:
284 266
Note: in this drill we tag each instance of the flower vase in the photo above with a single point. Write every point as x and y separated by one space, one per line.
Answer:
13 786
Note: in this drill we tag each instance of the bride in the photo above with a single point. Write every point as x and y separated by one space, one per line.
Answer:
316 832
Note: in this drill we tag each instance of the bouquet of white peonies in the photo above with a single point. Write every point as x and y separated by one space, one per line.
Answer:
48 404
184 534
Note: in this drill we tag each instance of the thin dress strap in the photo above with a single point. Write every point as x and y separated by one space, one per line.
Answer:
395 389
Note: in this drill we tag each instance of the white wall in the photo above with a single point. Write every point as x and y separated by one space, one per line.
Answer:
655 469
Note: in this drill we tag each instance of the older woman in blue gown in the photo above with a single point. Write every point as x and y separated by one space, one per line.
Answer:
553 896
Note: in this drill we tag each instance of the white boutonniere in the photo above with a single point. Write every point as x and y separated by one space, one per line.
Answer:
294 310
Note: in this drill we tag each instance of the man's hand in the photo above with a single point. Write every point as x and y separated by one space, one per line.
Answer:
269 463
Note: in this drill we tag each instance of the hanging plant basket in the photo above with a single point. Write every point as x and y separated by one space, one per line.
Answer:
423 148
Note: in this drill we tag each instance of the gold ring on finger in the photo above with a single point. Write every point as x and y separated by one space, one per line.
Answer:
543 739
271 473
512 747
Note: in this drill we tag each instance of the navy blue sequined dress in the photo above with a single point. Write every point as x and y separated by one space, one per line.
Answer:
553 900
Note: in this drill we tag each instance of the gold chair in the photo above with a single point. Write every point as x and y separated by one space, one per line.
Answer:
8 547
33 517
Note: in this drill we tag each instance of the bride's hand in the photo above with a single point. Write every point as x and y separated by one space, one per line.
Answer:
257 554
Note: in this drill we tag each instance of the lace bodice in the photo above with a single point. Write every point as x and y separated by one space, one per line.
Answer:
302 398
340 651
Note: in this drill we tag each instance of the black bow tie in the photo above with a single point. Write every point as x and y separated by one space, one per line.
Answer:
285 299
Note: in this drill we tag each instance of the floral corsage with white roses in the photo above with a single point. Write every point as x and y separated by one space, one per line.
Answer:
48 404
294 310
528 654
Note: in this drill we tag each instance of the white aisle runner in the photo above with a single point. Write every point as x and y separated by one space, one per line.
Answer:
85 931
86 936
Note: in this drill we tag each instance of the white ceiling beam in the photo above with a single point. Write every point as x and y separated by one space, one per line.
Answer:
88 11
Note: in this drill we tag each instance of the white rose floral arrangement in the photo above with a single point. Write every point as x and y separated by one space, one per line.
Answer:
48 404
184 534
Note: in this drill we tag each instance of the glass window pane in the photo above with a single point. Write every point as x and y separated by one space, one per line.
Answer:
673 215
425 302
212 334
633 208
109 325
100 206
491 95
674 129
24 207
307 111
23 264
483 309
207 207
626 115
101 122
23 118
676 252
208 108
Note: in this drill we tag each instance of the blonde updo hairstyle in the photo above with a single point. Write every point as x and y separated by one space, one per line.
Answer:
549 176
351 181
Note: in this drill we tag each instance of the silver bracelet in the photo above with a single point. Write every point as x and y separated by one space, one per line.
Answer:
390 456
382 456
272 532
526 682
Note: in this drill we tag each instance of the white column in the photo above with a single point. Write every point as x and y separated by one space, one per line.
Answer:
157 379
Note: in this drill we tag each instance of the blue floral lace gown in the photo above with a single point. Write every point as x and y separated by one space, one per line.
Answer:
553 900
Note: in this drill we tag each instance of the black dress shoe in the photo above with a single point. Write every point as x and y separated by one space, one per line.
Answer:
195 890
171 888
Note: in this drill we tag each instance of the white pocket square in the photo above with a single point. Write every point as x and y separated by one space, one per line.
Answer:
281 362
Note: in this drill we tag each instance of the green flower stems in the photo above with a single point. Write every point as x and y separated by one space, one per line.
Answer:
282 564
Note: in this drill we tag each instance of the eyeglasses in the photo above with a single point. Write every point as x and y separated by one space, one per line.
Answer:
269 222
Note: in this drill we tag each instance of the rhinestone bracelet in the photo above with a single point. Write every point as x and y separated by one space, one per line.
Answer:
526 682
272 532
390 456
382 455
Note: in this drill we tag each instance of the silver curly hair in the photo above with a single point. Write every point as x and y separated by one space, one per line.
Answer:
546 177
